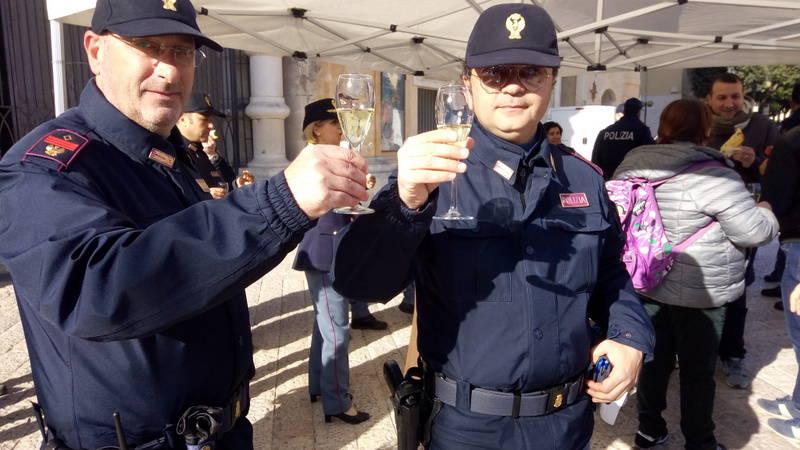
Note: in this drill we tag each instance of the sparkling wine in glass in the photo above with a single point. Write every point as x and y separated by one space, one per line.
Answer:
453 112
355 106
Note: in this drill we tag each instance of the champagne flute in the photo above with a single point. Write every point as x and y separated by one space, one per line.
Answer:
355 106
453 112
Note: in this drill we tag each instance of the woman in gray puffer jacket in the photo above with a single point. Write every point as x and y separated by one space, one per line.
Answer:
686 307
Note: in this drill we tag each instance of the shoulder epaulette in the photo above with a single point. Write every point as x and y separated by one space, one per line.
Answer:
59 147
574 153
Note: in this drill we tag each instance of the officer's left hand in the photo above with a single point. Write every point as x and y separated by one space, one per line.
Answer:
626 361
745 155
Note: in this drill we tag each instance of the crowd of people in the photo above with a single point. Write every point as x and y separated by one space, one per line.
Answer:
114 210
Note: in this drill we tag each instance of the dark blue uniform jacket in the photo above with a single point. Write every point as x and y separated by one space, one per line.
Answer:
615 141
315 251
504 300
129 284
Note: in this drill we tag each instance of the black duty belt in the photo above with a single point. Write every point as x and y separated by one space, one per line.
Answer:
199 426
496 403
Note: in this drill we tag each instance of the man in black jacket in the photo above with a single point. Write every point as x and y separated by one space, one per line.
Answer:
196 125
615 141
781 188
726 100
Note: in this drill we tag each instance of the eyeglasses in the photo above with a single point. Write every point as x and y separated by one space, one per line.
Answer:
181 55
533 78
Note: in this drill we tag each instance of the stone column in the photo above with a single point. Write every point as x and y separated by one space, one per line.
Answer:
268 110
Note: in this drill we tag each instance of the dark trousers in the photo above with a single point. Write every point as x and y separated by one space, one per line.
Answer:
693 335
731 344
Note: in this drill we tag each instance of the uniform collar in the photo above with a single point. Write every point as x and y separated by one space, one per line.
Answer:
120 131
191 145
497 154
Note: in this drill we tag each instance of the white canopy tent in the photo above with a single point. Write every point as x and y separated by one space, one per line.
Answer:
430 36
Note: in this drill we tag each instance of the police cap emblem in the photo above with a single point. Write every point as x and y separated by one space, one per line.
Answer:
515 24
170 5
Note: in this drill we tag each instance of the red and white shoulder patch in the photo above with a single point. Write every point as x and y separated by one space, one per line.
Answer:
60 146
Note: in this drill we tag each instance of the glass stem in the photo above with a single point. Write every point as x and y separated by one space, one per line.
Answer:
453 193
357 149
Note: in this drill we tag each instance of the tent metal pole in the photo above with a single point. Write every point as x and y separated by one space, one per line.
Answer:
598 38
404 28
689 58
573 65
697 37
219 18
475 5
59 79
774 26
760 4
580 52
443 53
417 49
622 52
658 54
365 49
590 27
355 40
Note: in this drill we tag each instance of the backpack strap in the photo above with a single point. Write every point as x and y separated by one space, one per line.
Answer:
699 233
691 239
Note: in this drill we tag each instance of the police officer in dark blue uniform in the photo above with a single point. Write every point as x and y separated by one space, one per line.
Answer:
504 300
197 128
615 141
108 241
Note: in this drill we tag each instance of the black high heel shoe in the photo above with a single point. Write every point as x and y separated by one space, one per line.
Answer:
360 416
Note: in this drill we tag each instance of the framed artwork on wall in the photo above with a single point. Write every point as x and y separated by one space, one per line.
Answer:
393 109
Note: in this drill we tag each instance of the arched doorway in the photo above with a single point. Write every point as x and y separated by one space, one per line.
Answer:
608 98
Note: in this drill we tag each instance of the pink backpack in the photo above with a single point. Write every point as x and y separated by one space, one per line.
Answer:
648 255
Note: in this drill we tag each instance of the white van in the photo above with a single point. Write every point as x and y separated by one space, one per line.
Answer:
581 125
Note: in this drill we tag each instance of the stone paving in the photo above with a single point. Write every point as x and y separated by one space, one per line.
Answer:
283 418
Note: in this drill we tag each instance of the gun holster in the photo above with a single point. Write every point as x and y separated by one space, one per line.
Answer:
413 404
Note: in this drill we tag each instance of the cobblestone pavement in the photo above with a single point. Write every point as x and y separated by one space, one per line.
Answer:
283 418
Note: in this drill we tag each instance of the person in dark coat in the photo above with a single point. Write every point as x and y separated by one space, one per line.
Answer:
615 141
745 138
109 240
504 300
197 127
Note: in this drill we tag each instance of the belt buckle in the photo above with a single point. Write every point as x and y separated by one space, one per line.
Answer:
556 398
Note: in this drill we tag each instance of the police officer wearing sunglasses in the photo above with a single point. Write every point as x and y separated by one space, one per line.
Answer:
504 301
133 342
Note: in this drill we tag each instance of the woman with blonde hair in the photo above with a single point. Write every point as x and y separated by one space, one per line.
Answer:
329 364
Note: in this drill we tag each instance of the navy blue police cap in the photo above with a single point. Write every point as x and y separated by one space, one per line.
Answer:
200 102
142 18
513 34
632 106
321 109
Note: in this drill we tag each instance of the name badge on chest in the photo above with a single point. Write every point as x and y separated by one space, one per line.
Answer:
503 170
165 159
574 200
